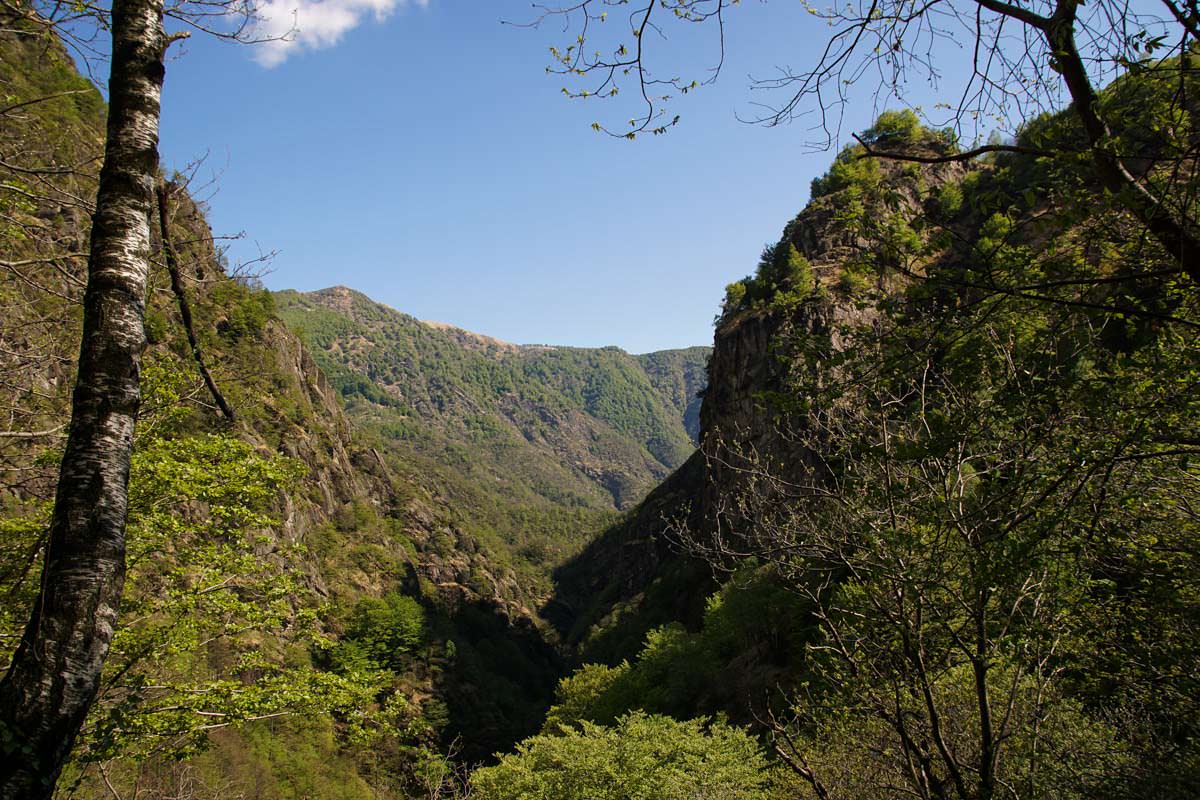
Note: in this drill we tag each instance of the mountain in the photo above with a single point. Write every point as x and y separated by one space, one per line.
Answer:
939 531
311 546
589 427
940 473
534 446
457 482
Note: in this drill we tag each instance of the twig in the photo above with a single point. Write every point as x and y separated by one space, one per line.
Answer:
31 434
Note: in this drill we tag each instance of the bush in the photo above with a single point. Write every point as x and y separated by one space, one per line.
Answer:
641 756
588 694
735 295
684 673
901 127
950 200
849 171
379 633
784 265
783 278
246 311
851 281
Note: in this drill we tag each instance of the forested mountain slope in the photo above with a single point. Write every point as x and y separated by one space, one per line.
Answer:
578 426
534 447
280 569
940 538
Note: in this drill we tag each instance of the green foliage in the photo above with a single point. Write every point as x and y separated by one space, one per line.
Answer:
950 200
246 310
1067 755
853 174
640 757
789 274
295 759
1013 440
204 571
535 386
1000 434
735 295
379 632
537 446
23 526
852 281
865 205
900 127
784 279
681 673
860 182
590 693
783 264
210 593
1009 442
63 129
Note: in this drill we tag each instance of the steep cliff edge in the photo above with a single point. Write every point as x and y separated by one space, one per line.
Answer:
637 574
945 464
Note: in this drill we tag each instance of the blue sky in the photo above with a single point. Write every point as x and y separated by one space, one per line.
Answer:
428 160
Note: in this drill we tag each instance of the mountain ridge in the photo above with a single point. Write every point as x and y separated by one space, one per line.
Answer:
341 290
569 405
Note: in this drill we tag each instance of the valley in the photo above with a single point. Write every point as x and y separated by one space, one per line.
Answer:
535 446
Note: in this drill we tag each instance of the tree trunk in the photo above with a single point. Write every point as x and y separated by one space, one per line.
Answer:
55 673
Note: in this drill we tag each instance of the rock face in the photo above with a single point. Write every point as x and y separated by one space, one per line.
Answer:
757 352
323 448
637 574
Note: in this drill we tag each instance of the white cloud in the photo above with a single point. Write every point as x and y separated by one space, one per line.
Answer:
293 25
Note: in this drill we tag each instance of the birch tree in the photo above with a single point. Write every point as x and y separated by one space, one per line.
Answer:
55 673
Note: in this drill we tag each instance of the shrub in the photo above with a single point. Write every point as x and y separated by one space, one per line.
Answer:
902 127
379 632
950 200
735 295
641 756
586 695
851 281
849 171
246 311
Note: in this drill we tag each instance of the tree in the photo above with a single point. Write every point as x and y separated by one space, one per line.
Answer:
55 673
640 756
204 599
1026 54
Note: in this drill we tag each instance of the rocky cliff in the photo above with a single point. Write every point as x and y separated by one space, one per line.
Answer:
643 572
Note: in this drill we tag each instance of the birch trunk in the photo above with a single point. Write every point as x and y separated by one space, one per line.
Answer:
53 679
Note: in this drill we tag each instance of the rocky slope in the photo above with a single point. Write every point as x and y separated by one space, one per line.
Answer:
641 572
532 448
922 403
